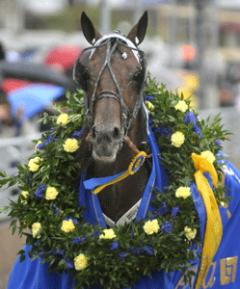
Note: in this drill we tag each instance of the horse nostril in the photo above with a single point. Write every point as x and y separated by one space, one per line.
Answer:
116 132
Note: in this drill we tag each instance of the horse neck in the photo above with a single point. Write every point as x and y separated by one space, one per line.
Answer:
119 198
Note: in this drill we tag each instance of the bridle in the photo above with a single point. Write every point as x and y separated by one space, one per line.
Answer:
112 41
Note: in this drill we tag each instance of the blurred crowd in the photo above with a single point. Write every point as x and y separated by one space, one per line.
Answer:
37 72
28 89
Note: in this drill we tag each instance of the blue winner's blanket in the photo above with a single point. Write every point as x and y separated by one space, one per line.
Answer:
223 272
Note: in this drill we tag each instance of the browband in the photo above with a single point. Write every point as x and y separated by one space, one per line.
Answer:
129 43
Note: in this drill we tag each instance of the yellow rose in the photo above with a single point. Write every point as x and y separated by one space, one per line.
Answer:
108 234
80 262
177 139
67 226
70 145
24 194
183 192
51 193
34 164
149 105
209 156
36 229
181 106
63 119
190 233
150 227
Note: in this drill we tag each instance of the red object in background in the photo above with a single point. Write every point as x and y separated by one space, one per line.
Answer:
188 52
63 57
11 84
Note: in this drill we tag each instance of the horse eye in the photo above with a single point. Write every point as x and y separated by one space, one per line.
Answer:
137 76
81 75
84 80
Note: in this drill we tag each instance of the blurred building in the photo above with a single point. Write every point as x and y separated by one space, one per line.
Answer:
228 17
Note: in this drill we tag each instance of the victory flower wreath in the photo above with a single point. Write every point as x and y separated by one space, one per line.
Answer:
48 214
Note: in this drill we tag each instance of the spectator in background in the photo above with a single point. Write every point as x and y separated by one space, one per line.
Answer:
5 113
11 126
226 97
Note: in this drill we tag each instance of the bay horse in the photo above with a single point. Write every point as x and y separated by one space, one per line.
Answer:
112 73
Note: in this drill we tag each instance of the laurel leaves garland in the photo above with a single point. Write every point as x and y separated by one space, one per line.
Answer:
48 215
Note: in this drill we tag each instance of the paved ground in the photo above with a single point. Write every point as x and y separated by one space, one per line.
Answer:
9 246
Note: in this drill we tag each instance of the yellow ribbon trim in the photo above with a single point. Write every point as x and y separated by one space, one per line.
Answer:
134 166
213 231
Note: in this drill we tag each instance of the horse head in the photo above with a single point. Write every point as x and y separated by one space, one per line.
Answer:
111 72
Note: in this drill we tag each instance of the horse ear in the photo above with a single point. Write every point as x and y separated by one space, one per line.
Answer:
88 29
137 34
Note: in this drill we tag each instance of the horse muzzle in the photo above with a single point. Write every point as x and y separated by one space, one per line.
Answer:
106 144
